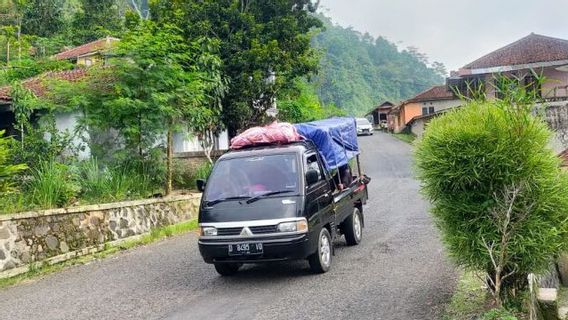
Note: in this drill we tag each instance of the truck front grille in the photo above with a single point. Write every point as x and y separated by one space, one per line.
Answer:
255 230
263 229
229 231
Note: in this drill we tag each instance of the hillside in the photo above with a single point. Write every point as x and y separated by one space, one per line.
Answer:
358 71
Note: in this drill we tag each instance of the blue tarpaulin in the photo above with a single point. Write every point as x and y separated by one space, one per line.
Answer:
335 138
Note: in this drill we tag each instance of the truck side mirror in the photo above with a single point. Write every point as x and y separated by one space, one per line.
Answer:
312 176
200 185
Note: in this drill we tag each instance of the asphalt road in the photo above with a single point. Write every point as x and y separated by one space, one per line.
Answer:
399 271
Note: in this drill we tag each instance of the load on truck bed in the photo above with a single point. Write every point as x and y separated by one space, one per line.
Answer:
276 201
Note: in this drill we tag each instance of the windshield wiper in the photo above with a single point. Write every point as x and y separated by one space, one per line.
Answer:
214 202
264 195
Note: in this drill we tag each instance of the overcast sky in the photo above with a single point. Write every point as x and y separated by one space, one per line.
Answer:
454 32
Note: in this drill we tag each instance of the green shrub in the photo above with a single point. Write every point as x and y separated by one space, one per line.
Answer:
7 171
498 195
185 175
101 184
52 185
203 171
13 202
128 183
94 180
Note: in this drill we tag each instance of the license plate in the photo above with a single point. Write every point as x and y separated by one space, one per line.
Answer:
240 249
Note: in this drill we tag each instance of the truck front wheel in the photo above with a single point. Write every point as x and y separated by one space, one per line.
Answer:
320 262
353 227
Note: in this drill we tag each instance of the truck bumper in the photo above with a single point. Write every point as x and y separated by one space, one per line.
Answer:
283 249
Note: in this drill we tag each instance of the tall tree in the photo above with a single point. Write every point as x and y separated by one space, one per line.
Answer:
265 46
42 18
181 81
97 18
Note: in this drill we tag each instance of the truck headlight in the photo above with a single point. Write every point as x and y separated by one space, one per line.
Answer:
208 231
294 226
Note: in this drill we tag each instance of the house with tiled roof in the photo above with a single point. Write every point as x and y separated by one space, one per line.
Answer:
420 108
84 56
64 121
522 59
89 53
37 86
433 102
378 115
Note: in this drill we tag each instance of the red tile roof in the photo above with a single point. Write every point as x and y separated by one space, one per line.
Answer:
91 47
434 93
386 105
530 49
37 86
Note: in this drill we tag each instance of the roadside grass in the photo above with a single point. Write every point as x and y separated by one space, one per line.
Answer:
469 300
472 301
37 270
406 137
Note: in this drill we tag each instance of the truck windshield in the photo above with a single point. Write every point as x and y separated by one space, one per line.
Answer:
247 177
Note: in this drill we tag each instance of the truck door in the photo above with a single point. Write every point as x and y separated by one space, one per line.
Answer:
319 200
344 203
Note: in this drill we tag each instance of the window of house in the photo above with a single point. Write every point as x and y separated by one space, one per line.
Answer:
427 110
467 87
88 62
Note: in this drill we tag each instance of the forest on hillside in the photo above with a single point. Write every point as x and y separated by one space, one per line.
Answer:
358 71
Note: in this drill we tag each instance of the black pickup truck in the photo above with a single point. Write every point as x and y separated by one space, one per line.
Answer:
277 203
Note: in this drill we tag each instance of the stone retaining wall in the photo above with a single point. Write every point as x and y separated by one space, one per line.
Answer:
556 115
37 236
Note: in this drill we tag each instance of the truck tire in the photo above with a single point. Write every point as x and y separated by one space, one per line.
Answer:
320 262
227 269
353 227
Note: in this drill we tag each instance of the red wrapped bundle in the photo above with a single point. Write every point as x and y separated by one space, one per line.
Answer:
275 133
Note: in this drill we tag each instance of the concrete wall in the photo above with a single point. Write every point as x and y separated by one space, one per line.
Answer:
185 142
68 122
63 233
442 104
418 127
397 122
557 119
410 111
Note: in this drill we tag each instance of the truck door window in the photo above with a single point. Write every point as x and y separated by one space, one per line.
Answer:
312 164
